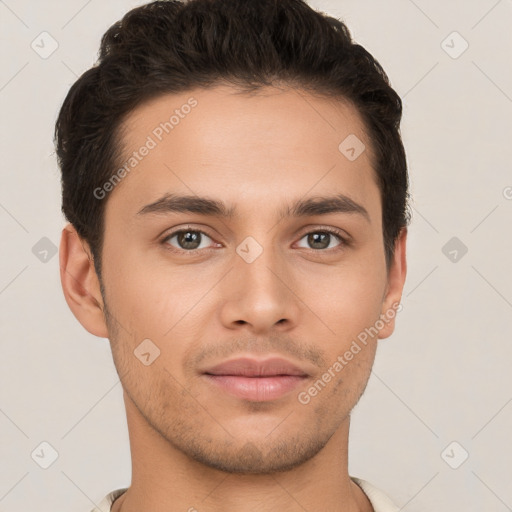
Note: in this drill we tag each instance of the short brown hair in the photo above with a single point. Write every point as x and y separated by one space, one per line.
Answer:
167 47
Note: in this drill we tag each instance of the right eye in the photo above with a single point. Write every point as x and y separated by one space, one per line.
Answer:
187 240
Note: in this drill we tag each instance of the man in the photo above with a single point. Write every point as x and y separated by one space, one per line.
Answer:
236 190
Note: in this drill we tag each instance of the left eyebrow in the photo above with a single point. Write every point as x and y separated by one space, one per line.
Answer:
312 206
322 205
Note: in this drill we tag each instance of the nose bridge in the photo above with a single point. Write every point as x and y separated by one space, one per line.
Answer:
259 265
259 291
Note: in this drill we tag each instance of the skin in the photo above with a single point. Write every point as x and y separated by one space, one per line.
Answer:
194 447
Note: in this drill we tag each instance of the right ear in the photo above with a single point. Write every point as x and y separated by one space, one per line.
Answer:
80 283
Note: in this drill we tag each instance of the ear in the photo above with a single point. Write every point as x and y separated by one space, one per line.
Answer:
396 279
80 283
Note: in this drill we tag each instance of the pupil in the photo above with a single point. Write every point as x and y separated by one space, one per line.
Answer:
189 239
320 238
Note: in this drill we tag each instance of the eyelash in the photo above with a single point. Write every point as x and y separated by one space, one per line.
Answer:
344 241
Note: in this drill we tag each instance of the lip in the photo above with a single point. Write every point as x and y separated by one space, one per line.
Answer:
256 380
249 367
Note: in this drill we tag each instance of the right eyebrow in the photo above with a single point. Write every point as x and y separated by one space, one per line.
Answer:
188 204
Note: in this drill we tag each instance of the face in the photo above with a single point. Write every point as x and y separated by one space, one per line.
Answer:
250 274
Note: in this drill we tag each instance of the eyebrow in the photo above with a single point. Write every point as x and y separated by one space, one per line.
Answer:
319 205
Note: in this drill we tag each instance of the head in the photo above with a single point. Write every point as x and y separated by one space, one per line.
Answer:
257 111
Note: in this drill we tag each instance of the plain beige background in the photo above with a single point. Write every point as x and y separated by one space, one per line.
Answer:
441 388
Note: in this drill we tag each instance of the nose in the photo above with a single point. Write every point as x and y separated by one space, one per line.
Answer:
260 295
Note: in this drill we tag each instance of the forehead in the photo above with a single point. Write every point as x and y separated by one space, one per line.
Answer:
222 110
243 148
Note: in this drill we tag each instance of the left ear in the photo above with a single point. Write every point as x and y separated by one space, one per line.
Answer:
396 280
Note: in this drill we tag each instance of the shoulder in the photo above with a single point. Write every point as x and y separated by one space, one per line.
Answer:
379 500
106 503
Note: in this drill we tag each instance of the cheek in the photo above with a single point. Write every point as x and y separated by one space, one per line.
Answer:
155 301
347 299
143 294
349 303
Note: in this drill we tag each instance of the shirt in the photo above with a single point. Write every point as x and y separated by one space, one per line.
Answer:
380 501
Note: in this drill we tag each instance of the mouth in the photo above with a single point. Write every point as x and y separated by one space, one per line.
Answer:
256 380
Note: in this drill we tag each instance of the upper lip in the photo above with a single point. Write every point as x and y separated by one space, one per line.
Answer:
248 367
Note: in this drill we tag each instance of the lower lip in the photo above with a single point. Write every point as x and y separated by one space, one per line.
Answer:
257 389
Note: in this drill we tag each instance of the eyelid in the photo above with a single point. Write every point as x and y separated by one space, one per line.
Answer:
329 229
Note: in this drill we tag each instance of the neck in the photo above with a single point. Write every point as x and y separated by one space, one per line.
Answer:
165 479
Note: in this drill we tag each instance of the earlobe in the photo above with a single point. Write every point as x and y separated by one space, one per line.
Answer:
80 282
396 280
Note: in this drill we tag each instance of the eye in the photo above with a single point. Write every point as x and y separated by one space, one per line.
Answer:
321 239
187 239
192 240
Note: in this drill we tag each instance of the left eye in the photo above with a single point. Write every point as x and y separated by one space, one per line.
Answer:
321 239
